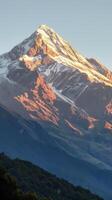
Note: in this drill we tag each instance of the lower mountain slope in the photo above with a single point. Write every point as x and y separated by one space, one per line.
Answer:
32 178
87 162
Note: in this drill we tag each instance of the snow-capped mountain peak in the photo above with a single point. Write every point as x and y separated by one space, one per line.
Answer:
45 47
48 47
44 80
61 48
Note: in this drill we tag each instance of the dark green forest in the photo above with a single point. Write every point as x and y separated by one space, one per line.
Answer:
21 180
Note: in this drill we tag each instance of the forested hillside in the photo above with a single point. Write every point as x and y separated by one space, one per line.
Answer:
21 180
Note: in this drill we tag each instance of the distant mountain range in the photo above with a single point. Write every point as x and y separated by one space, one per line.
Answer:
56 110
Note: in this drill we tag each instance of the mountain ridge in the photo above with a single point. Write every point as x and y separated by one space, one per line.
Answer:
61 51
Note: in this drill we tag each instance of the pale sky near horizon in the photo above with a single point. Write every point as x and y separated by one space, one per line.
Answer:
86 24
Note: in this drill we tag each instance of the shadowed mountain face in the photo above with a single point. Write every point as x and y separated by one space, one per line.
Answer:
62 103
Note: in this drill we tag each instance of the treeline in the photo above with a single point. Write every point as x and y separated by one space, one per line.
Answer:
9 189
21 180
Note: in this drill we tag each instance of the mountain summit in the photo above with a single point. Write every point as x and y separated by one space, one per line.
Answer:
61 105
48 42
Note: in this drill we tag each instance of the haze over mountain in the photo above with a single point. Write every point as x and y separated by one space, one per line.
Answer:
57 105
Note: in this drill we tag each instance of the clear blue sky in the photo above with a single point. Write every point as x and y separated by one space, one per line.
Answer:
86 24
